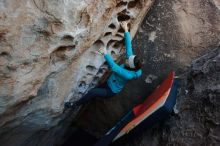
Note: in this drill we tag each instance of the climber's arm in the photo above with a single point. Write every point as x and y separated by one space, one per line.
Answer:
128 45
117 69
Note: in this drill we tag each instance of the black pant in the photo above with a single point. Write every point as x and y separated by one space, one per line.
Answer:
101 91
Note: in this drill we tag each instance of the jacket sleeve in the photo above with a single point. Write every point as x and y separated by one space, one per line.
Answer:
128 45
117 69
138 73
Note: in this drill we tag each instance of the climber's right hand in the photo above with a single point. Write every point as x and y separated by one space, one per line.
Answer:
124 25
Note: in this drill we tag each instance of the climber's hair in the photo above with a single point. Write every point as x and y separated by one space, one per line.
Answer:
138 62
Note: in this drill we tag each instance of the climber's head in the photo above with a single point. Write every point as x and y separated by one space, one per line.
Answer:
133 62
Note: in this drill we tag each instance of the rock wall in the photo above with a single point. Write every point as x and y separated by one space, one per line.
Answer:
197 112
48 55
178 33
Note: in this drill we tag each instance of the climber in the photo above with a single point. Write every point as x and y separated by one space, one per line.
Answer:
121 74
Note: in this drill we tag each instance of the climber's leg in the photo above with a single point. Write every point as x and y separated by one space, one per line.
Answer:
95 92
101 91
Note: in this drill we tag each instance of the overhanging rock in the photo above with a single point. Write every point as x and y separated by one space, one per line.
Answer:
47 56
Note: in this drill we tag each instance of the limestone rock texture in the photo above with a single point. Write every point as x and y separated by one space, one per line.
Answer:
48 55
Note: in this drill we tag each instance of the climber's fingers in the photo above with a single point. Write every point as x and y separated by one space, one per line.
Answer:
96 52
103 50
124 25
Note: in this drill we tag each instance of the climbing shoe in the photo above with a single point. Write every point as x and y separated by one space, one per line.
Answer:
71 105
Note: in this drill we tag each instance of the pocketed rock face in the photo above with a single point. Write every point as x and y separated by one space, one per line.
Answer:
47 56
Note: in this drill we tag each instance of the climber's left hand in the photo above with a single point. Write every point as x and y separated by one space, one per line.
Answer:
103 51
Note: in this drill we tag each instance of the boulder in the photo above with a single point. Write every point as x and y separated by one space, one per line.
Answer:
48 55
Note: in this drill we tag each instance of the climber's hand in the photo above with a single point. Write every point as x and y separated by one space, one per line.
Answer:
103 51
124 25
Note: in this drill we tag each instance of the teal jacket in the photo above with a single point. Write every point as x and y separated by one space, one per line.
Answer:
120 75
